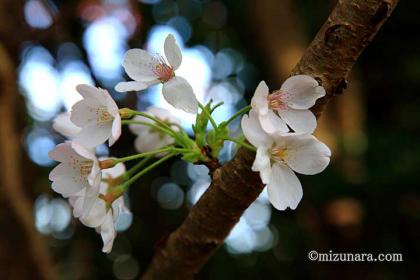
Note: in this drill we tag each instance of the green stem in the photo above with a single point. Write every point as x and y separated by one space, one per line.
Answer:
213 123
130 181
216 106
162 123
241 143
137 167
142 155
237 114
170 133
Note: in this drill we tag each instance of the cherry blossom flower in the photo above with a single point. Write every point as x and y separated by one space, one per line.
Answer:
63 125
97 115
149 138
288 106
279 155
78 169
102 215
147 70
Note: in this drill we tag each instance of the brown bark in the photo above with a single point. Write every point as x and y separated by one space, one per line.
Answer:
331 55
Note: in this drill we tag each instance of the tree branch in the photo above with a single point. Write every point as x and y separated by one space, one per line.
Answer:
330 57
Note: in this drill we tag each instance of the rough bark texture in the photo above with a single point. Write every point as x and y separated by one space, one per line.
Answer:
330 57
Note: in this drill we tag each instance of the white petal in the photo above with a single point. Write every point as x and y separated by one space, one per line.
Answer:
284 189
139 65
253 132
63 125
96 216
147 142
172 52
83 112
83 152
179 93
306 154
302 91
115 171
108 232
61 170
271 123
93 135
66 186
259 101
62 152
301 121
162 114
262 164
139 128
115 130
131 86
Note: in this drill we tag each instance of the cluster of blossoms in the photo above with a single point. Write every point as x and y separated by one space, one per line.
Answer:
280 152
95 187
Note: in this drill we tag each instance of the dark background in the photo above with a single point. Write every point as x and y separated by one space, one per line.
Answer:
367 201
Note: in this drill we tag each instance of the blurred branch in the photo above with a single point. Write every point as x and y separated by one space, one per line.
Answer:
11 176
331 55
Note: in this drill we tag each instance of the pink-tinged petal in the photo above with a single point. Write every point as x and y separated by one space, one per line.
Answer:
179 93
172 52
115 131
253 131
306 154
93 135
284 189
259 101
96 216
131 86
271 123
62 152
262 164
301 91
301 121
139 65
63 125
108 232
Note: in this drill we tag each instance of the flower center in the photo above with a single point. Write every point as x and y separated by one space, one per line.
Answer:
163 70
102 115
279 153
85 167
276 100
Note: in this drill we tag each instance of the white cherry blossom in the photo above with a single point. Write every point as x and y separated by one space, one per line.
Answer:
149 138
102 215
78 169
63 125
288 106
147 70
279 155
97 115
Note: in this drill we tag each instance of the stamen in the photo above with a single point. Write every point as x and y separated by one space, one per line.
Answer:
163 70
276 100
102 115
279 153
